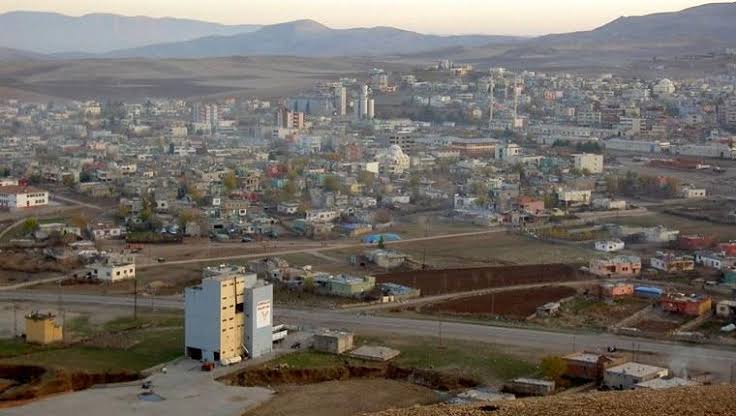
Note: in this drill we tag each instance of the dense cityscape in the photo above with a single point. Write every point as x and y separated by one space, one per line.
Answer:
438 238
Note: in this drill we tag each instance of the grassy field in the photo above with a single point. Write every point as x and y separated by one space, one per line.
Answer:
119 344
485 362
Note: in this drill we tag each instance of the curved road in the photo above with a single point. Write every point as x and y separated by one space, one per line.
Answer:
718 360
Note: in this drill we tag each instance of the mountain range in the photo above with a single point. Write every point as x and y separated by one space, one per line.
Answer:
54 33
699 29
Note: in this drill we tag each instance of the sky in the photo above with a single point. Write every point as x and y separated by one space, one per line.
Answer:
508 17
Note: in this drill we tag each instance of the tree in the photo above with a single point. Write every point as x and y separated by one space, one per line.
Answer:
553 368
308 284
68 181
230 181
381 243
331 183
30 225
79 220
366 178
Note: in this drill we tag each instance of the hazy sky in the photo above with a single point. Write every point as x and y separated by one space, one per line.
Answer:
429 16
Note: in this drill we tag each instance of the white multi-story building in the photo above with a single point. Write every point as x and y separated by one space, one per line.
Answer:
17 197
228 316
393 161
590 162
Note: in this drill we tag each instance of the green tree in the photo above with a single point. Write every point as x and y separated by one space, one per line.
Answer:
30 225
366 178
553 368
331 183
381 243
68 181
230 181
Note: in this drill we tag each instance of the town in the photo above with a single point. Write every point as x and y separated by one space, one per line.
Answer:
446 233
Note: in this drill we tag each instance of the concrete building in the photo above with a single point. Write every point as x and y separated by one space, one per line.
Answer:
665 383
621 266
393 161
15 197
626 376
686 305
333 342
286 119
507 152
42 329
259 319
228 315
590 366
589 162
114 268
609 246
574 197
669 262
530 387
726 309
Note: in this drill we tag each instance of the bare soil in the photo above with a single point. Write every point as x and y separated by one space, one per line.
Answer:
436 282
515 304
345 398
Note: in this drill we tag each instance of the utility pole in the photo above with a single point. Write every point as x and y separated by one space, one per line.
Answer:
15 320
135 299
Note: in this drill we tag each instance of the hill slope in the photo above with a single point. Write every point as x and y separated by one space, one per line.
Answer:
309 38
96 33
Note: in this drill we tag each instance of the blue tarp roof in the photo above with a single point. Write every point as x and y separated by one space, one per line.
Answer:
375 238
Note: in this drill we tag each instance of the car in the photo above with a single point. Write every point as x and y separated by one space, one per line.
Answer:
296 345
161 260
246 240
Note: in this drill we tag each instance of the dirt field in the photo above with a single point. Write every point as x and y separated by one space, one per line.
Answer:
494 249
345 398
435 282
583 312
515 304
135 79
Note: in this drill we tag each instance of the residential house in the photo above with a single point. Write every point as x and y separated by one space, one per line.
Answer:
620 266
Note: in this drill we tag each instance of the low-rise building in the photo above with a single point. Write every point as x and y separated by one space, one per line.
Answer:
590 366
686 305
612 290
620 266
609 246
665 383
42 329
114 268
671 263
626 376
530 387
333 342
726 309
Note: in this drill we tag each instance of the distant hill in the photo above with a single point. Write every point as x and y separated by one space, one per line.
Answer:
53 33
9 54
701 29
311 39
710 25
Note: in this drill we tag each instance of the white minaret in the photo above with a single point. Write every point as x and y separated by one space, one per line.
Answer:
364 101
371 109
491 89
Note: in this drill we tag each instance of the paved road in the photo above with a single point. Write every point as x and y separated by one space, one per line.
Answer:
314 250
718 360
